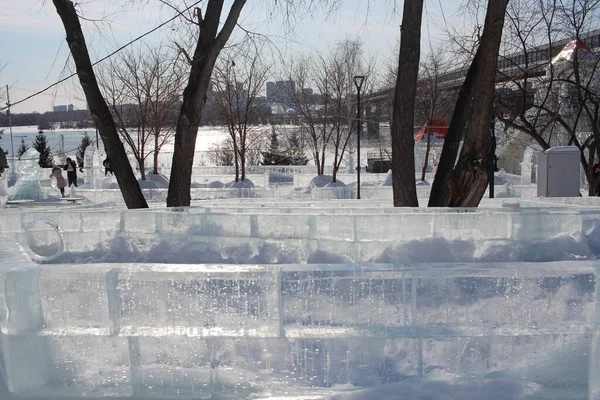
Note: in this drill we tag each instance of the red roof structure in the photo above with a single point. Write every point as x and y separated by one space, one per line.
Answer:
438 131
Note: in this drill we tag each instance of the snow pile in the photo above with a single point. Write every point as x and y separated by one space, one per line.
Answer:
211 247
245 184
337 183
147 184
320 181
388 181
160 181
436 390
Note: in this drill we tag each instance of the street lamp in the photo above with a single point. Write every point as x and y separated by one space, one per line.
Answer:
494 160
358 82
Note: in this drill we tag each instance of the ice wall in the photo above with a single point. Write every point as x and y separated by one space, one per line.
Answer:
195 331
283 234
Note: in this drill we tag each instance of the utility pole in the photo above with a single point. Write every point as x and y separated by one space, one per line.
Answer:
12 146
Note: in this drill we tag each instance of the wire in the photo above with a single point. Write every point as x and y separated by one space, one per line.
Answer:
102 59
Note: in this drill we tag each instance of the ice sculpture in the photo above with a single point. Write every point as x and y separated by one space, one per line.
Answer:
92 165
4 184
28 185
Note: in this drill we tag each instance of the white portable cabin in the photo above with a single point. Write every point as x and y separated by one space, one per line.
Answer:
558 172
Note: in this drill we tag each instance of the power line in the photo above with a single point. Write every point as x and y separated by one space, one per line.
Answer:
102 59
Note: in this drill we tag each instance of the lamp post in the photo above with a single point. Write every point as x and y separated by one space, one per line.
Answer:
358 82
493 161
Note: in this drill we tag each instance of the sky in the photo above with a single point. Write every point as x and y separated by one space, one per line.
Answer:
36 55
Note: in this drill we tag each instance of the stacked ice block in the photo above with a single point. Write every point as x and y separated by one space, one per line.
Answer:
134 330
287 323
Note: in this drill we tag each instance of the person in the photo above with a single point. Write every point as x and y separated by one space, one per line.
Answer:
71 168
60 181
107 168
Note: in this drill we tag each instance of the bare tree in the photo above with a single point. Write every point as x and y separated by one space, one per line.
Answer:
142 88
214 27
343 64
403 144
312 108
221 154
132 194
433 99
236 87
166 95
328 116
555 101
463 184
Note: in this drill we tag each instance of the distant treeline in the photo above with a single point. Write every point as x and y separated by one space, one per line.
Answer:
77 118
82 118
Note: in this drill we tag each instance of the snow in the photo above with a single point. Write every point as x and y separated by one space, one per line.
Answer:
388 181
337 183
324 181
563 149
159 180
245 184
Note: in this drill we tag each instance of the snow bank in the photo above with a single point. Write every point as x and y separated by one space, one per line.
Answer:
337 183
388 181
179 250
159 180
320 181
245 184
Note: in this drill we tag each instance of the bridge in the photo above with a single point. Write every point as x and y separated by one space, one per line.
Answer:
514 67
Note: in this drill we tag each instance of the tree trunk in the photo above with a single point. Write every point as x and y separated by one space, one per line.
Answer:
335 159
464 185
402 130
318 163
115 151
243 164
236 158
155 158
142 170
194 96
428 132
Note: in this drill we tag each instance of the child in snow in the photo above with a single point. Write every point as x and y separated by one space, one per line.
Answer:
60 181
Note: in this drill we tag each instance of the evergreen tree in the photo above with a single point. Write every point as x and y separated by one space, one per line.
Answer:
274 145
295 150
85 142
41 145
22 148
272 157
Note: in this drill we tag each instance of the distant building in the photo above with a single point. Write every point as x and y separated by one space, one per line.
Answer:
63 108
280 91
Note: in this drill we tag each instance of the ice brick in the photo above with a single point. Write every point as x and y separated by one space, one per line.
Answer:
75 303
156 303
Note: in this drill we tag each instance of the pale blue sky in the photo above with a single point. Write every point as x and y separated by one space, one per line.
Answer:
35 52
